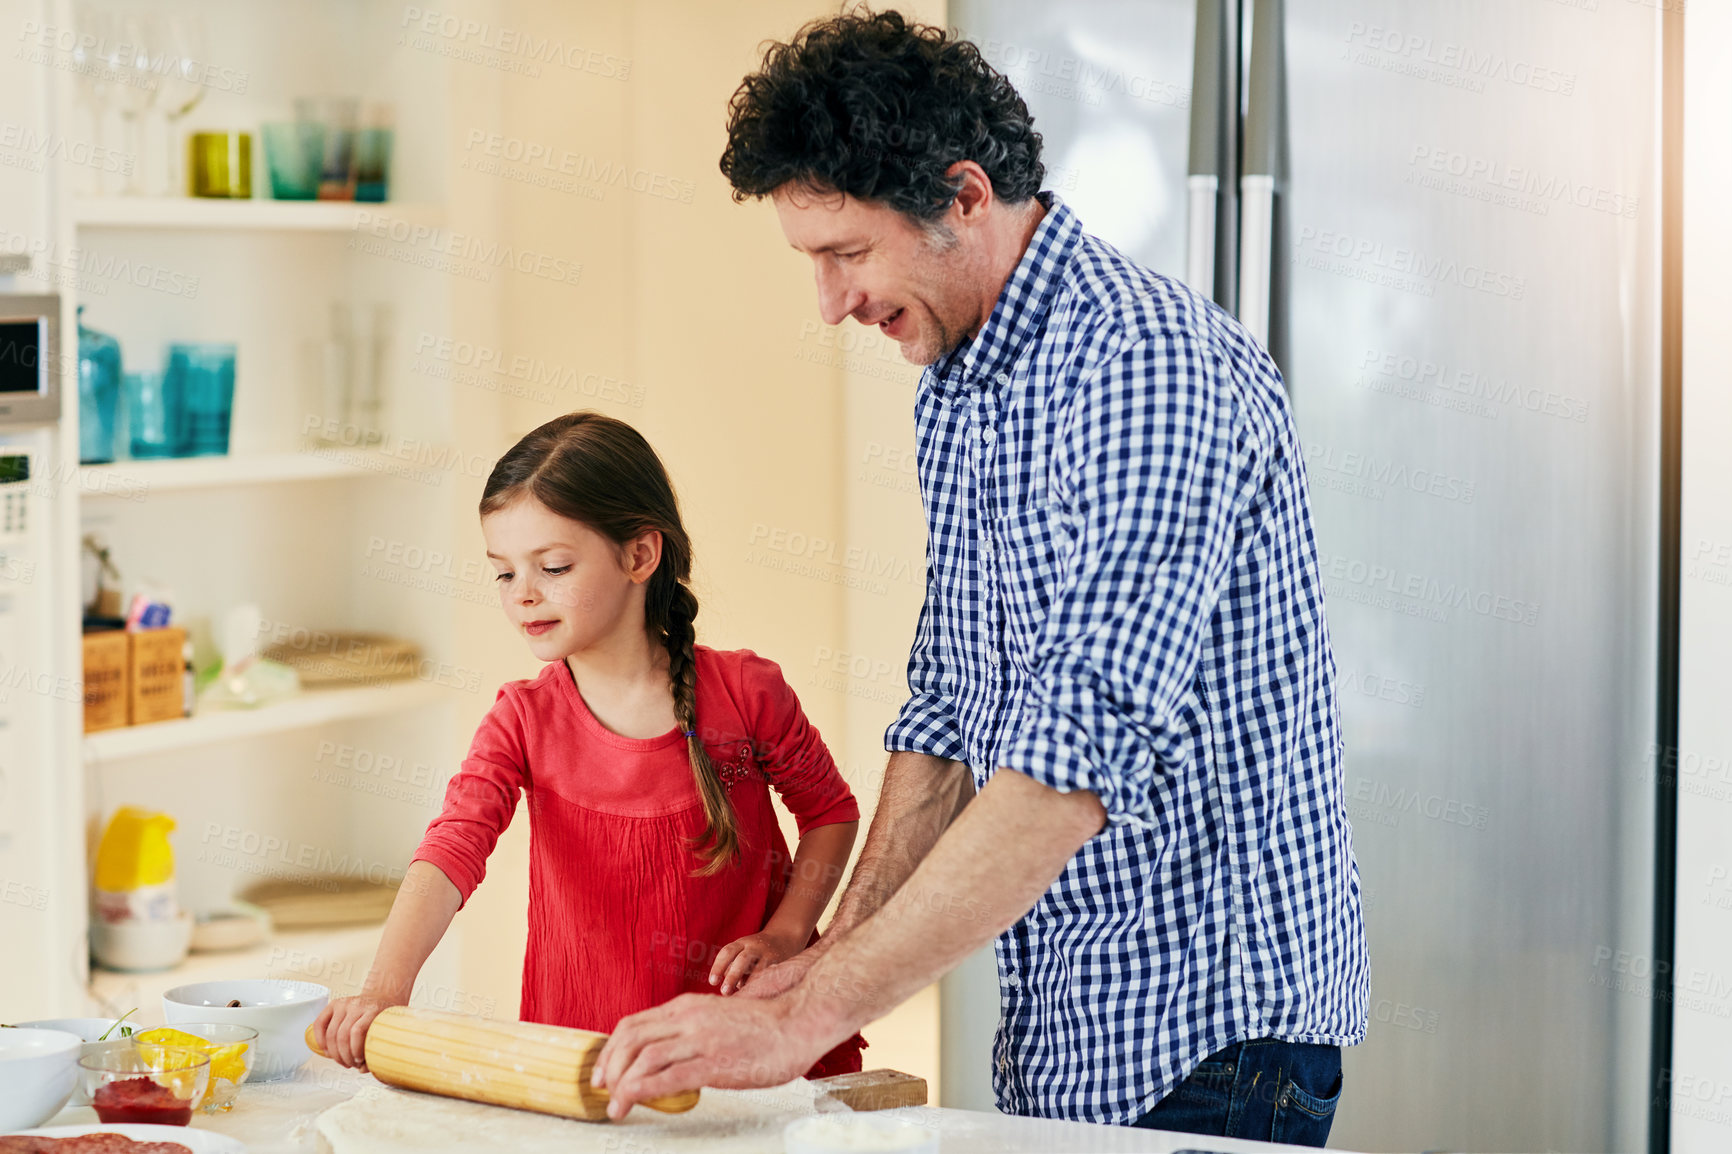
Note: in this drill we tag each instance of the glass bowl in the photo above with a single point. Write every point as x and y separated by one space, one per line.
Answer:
229 1045
147 1083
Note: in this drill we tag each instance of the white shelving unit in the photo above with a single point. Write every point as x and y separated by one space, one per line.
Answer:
129 479
141 212
310 708
295 530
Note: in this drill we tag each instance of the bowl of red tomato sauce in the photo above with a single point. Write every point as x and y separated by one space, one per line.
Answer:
156 1085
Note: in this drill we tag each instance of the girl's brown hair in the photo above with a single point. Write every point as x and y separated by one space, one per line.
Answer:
601 472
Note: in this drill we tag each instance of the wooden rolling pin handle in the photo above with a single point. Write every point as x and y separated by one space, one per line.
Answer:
668 1104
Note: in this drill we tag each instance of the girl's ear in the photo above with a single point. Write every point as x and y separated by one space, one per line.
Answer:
643 555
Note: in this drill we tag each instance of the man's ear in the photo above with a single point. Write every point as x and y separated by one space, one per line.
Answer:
975 197
643 555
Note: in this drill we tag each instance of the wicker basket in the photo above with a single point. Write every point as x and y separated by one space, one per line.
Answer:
349 659
295 904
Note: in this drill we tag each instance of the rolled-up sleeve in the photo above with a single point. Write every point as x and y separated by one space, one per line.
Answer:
481 798
1152 470
927 721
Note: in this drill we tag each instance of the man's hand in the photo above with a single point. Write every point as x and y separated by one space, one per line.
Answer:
742 958
696 1040
988 869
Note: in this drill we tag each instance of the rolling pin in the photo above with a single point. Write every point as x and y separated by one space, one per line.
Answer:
522 1064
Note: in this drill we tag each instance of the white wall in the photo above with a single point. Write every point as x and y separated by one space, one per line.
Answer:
698 305
1702 1049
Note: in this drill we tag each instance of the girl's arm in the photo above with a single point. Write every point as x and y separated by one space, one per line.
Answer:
425 904
479 802
818 866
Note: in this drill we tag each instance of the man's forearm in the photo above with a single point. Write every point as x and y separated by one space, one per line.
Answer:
987 871
920 798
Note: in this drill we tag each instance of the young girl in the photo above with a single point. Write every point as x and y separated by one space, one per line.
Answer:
656 863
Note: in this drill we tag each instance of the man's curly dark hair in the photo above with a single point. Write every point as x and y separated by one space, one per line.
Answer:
868 104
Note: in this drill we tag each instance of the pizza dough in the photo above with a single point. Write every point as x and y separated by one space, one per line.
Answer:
385 1120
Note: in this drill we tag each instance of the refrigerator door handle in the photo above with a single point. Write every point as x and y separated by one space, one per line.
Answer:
1211 234
1265 169
1200 232
1256 252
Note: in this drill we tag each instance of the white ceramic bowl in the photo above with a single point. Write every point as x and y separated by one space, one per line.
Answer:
280 1011
89 1029
841 1132
38 1069
138 946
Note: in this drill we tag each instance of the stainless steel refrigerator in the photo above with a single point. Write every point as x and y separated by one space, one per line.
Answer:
1444 219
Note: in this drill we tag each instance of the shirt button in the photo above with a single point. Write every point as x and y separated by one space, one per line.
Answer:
1013 982
988 436
1004 378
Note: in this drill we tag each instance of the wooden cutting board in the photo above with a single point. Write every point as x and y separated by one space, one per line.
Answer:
531 1066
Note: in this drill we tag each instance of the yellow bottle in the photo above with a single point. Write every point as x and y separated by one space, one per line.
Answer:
135 868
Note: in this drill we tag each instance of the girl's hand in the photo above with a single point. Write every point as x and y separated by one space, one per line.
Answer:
738 959
341 1027
769 981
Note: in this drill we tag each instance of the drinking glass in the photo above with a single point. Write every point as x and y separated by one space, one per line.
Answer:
181 83
337 114
221 164
155 414
372 164
295 155
206 376
97 85
98 393
137 89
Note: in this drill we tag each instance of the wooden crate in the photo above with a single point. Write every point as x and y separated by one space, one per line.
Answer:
107 672
156 689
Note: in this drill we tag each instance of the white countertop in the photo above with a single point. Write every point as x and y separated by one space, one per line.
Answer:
278 1118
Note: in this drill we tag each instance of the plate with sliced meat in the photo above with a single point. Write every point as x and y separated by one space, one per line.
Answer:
122 1138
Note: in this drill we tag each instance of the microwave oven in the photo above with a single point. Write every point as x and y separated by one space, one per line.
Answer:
30 364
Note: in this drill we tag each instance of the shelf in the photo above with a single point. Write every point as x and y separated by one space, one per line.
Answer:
289 215
130 480
313 707
339 957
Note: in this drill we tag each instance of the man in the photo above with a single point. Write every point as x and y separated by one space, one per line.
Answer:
1121 757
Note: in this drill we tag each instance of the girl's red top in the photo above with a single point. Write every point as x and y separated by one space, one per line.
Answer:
618 923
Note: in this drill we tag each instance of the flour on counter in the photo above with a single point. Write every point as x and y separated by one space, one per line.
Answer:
385 1120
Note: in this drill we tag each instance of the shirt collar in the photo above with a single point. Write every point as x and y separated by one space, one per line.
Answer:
1016 318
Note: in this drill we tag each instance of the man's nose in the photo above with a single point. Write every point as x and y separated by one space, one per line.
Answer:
837 299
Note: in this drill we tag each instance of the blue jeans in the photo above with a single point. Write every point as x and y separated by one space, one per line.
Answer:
1266 1090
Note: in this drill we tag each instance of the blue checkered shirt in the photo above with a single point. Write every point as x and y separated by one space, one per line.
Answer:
1122 596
